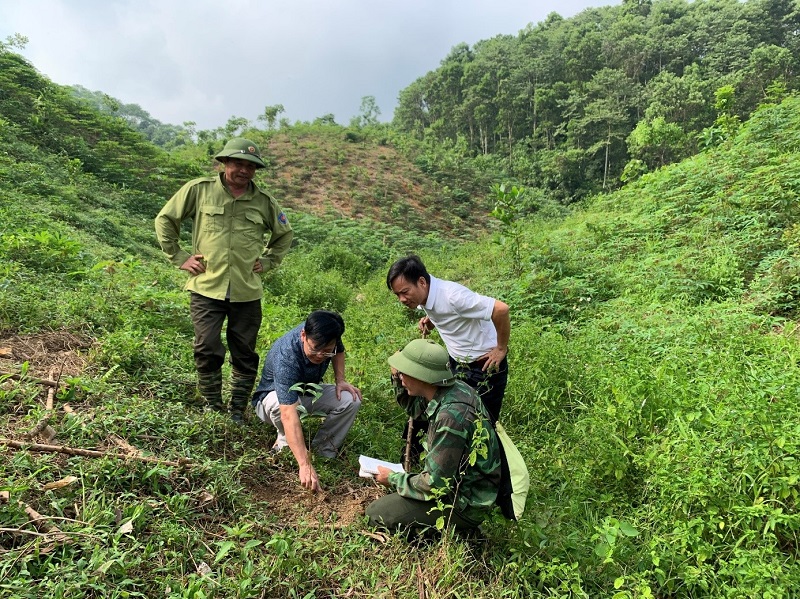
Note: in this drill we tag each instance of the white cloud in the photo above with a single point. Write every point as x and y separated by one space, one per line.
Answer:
203 61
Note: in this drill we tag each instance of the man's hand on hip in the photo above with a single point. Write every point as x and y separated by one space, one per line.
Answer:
194 265
493 358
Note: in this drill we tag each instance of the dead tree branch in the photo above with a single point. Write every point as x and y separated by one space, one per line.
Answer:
19 377
92 453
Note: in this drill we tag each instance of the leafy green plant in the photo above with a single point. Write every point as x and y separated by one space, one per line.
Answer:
509 206
727 122
609 534
312 390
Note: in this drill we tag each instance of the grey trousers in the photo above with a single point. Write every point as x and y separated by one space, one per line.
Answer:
339 417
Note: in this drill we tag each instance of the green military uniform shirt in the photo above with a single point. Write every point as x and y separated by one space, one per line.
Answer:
453 417
229 232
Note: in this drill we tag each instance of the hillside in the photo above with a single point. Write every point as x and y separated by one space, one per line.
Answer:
653 386
371 175
328 171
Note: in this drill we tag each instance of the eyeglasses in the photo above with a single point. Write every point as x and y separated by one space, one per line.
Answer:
320 354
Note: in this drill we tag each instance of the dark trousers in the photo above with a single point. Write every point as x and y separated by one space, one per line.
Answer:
396 512
244 320
491 386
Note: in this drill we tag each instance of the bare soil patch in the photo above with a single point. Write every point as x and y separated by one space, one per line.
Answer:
339 506
60 351
325 175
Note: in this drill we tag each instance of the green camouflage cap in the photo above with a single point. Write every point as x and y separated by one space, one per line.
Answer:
241 148
425 360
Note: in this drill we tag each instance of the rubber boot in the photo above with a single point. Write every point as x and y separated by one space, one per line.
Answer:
241 389
210 386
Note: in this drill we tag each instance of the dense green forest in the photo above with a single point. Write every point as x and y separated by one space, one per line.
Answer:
569 105
654 346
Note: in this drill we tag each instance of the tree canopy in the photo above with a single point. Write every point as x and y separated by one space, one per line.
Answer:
583 86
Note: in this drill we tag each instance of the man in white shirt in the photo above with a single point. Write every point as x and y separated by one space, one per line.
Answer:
475 328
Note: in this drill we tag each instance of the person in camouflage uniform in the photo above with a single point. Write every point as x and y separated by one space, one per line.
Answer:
461 471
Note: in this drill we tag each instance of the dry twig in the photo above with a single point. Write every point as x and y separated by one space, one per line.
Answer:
19 377
129 449
44 423
409 436
92 453
51 392
42 523
421 583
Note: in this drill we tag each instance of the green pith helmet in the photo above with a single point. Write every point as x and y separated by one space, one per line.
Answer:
241 148
425 360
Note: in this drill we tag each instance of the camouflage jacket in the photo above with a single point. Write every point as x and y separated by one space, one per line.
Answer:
462 454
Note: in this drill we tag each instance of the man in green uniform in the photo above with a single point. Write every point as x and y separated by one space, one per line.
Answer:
231 217
461 471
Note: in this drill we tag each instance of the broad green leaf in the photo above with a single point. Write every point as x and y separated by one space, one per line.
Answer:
628 530
602 550
224 548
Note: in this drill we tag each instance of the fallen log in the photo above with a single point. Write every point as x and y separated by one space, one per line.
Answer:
93 453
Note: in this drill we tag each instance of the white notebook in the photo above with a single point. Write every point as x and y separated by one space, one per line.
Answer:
369 466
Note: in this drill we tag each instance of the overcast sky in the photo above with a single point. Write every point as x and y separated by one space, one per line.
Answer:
204 61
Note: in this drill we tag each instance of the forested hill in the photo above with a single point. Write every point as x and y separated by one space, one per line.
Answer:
321 170
570 105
